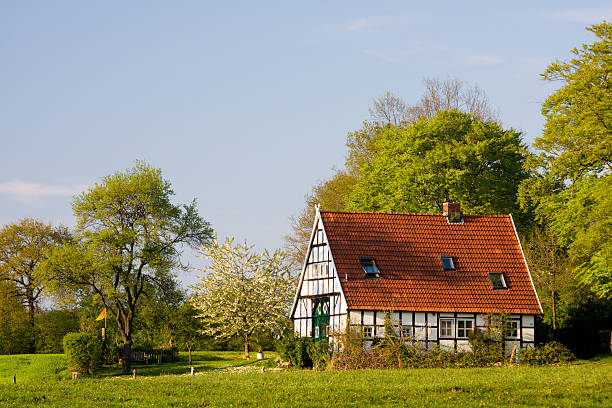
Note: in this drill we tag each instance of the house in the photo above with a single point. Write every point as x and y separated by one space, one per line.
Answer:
437 275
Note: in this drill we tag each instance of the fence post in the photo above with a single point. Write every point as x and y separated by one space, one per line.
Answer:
192 371
134 373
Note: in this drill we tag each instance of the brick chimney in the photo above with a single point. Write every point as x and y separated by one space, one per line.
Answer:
452 211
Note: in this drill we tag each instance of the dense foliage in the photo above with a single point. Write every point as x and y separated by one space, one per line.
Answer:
23 246
573 166
450 157
549 353
83 352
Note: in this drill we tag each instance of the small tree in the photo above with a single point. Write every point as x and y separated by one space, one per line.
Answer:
187 328
242 291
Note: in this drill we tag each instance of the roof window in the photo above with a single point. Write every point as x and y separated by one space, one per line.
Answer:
447 263
497 280
369 266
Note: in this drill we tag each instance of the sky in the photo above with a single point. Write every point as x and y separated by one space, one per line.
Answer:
245 105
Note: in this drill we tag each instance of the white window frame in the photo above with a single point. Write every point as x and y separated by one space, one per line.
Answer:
406 331
517 323
463 320
368 329
452 328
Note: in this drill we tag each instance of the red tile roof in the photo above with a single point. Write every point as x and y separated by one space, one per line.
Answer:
407 249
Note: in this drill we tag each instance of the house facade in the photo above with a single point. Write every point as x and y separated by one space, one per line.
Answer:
438 276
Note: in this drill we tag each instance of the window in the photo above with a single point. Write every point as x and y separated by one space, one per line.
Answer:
513 329
406 331
317 333
464 326
447 263
497 280
369 266
368 331
446 328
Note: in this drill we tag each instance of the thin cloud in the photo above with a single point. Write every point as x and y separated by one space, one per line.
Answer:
585 16
393 56
482 60
364 23
24 189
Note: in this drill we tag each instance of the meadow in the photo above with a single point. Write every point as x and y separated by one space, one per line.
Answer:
223 379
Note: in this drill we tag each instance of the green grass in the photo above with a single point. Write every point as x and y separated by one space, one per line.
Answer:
33 367
201 361
584 384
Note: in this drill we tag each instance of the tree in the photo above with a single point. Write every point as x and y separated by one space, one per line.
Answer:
242 291
23 246
15 330
550 269
450 157
187 328
453 94
387 111
331 195
127 243
570 189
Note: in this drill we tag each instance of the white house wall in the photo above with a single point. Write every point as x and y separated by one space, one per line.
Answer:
424 327
319 279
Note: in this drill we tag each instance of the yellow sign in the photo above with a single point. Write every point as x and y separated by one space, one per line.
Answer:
102 315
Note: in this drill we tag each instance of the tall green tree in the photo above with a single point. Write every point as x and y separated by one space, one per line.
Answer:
127 243
450 157
23 246
387 111
571 187
243 291
15 330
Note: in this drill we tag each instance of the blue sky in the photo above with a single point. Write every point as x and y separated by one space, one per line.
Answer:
244 106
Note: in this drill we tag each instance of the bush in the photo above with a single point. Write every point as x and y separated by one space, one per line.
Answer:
550 353
83 352
295 350
320 354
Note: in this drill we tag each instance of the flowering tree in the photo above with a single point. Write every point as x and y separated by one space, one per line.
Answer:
242 291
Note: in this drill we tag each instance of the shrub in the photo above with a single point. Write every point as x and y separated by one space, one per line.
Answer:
320 354
82 352
295 350
550 353
486 350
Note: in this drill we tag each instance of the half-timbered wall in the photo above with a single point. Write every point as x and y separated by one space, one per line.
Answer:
319 280
448 330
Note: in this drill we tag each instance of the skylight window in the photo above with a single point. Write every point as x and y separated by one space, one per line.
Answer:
497 280
447 263
369 266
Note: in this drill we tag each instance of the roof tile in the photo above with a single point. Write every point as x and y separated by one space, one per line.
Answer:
407 249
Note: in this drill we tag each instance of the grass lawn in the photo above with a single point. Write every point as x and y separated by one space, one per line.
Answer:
587 383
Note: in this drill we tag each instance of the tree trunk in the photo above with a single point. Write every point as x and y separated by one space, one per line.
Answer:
31 313
554 311
126 333
246 346
127 355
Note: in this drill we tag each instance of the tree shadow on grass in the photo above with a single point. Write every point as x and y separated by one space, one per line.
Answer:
200 362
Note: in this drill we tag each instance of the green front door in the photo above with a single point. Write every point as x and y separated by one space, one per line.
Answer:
320 319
